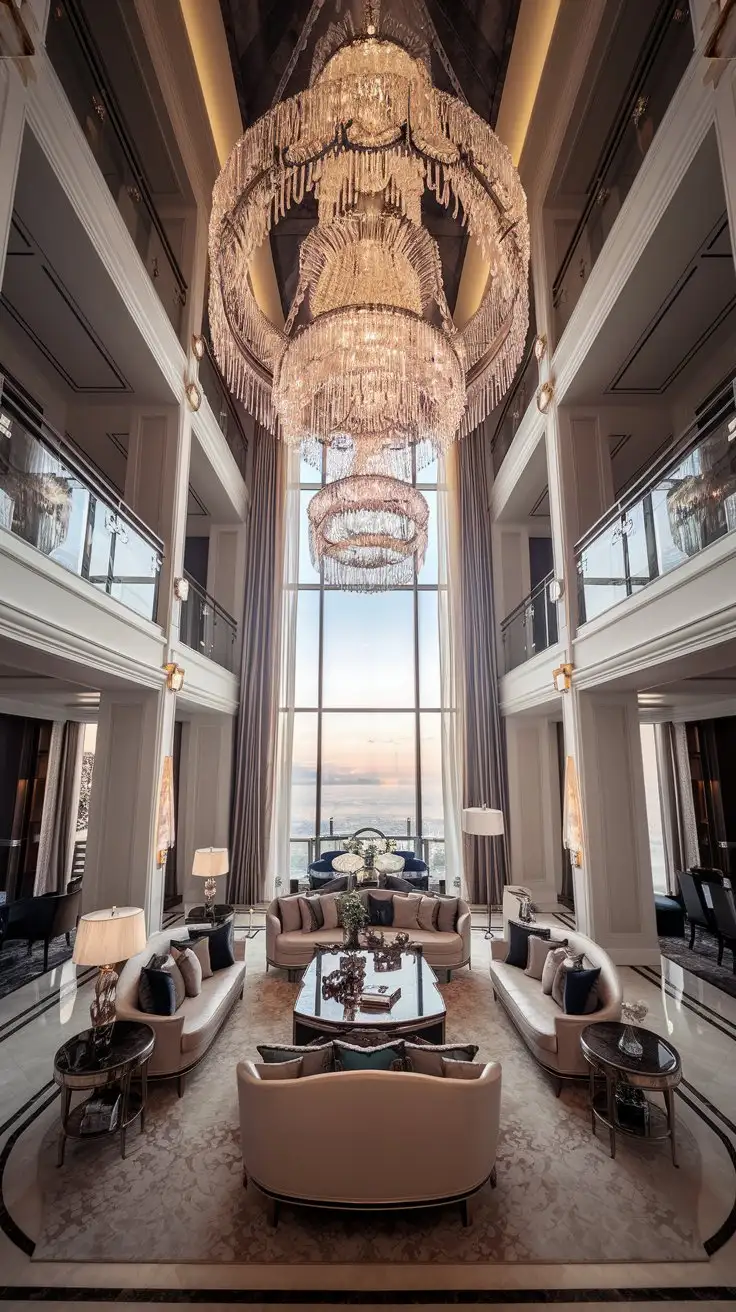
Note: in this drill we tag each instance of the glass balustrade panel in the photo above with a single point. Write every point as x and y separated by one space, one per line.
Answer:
602 573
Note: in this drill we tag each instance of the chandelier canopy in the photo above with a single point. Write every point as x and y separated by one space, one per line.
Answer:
369 359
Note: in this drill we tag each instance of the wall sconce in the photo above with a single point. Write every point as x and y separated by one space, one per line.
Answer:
544 397
194 396
562 677
572 818
198 345
174 677
540 347
556 589
181 589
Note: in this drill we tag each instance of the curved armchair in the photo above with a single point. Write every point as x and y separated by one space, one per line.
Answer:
47 918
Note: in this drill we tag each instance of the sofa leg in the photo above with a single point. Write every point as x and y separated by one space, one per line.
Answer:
272 1211
466 1212
45 955
494 1178
181 1085
558 1086
245 1178
692 936
448 977
68 938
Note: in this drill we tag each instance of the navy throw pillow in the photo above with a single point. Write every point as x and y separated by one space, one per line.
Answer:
579 985
156 993
380 910
220 943
519 936
389 1056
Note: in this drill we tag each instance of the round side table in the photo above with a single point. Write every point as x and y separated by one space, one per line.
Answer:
657 1070
78 1067
221 913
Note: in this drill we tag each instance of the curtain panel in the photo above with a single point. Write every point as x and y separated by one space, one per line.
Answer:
256 731
485 782
59 817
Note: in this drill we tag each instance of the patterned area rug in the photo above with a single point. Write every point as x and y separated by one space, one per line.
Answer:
179 1195
702 960
18 968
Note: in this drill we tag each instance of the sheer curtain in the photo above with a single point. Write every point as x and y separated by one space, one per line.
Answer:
451 667
279 851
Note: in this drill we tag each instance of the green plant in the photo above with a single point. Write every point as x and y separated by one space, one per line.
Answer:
352 912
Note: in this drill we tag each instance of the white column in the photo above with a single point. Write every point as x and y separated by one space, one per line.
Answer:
226 571
205 782
614 897
134 734
156 485
12 120
535 810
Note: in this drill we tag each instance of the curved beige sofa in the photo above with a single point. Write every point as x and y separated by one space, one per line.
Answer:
402 1168
294 950
550 1035
182 1039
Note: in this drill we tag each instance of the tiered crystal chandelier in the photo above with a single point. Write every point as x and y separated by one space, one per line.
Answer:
369 362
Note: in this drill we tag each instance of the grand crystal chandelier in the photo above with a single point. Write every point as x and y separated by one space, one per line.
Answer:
369 362
368 532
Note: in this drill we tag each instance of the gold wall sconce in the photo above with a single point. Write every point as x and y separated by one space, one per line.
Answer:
544 397
562 677
193 395
540 346
198 345
174 677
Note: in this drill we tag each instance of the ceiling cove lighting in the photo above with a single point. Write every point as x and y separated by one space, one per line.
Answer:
369 357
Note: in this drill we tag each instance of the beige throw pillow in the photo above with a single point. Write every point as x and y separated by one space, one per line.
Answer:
406 910
329 910
290 914
279 1070
537 952
551 965
461 1070
429 910
191 970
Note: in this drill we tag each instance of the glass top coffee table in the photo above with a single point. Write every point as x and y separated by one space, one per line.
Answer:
419 1010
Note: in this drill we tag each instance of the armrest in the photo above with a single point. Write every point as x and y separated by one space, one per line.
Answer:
273 929
166 1056
463 929
239 948
499 949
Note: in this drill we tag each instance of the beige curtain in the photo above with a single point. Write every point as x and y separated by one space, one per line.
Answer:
487 866
256 733
60 801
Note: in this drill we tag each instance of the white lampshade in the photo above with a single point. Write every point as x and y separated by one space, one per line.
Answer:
483 821
105 937
210 862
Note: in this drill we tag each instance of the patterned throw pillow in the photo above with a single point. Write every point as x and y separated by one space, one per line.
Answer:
314 1060
191 970
538 950
384 1057
311 913
518 942
429 910
557 955
406 910
447 915
201 949
280 1070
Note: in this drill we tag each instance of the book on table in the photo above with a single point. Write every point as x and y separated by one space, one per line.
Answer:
382 998
101 1112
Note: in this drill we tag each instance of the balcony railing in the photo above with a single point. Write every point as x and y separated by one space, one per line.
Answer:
206 627
514 408
81 71
663 59
223 406
680 505
530 628
53 500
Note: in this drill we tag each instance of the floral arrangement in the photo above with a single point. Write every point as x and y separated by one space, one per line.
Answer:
369 848
353 916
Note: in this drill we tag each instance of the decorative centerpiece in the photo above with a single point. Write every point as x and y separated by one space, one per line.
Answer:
353 916
386 956
632 1014
346 983
369 848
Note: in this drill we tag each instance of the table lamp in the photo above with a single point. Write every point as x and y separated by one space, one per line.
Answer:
483 822
209 862
103 939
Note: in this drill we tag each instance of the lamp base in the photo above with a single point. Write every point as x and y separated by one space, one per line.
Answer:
102 1009
210 894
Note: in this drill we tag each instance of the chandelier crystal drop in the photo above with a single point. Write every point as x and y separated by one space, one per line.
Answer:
368 532
369 357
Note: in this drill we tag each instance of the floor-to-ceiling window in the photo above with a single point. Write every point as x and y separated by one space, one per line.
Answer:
367 719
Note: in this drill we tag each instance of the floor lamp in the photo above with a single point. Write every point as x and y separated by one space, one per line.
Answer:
483 822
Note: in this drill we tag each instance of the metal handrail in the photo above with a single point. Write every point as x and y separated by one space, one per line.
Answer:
95 62
209 600
511 395
230 403
42 431
532 596
693 435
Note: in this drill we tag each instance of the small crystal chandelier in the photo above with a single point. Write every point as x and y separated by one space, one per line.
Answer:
368 532
369 357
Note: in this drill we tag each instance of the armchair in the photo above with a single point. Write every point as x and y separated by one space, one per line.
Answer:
34 918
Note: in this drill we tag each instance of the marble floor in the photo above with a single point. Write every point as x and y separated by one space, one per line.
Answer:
699 1019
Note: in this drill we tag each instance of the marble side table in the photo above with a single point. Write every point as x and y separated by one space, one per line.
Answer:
78 1066
657 1070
